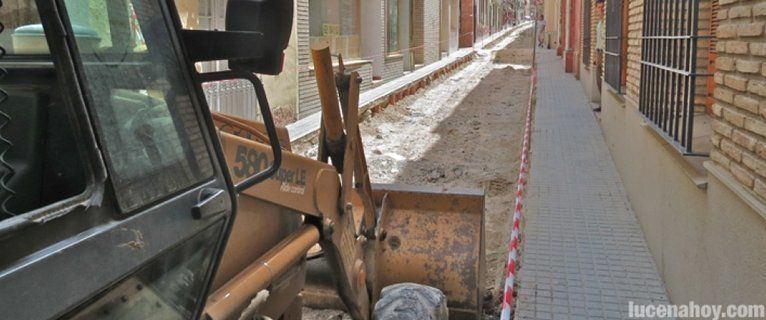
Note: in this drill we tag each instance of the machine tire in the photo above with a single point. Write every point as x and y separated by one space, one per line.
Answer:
411 301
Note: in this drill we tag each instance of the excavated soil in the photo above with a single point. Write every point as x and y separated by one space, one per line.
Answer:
463 131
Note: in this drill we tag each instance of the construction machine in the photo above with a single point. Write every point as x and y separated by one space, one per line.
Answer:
122 196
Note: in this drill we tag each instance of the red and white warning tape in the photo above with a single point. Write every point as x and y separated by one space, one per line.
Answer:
521 183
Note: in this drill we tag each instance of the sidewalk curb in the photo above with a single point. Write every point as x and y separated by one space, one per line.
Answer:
514 253
309 125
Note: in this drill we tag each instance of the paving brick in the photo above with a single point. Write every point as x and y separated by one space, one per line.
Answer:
740 12
748 66
759 9
760 188
731 149
725 63
746 103
750 29
758 49
720 158
744 139
757 87
726 31
735 82
584 243
742 175
736 47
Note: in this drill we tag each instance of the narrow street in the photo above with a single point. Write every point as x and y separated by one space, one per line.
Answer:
584 255
464 130
480 159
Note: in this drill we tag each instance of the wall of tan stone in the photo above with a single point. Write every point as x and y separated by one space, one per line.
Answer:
705 226
740 95
706 240
635 29
552 10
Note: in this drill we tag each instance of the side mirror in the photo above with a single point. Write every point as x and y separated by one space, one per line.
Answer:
257 33
273 19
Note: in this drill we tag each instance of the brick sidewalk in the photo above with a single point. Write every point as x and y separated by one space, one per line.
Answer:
584 254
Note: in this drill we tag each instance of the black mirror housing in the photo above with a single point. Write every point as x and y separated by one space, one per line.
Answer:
273 19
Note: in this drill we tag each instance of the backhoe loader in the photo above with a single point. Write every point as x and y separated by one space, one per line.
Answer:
122 196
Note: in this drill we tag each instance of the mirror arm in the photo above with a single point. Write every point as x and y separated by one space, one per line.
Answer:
206 45
268 121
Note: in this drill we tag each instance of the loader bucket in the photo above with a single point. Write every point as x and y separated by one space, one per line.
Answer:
435 237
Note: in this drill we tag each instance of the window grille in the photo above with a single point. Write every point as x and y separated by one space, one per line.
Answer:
586 34
613 51
669 69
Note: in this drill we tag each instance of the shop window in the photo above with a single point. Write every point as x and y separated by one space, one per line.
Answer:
615 49
392 26
336 23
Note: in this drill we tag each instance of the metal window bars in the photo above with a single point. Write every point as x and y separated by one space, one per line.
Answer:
235 97
613 46
586 35
669 64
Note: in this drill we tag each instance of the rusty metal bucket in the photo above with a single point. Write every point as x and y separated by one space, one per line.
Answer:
433 236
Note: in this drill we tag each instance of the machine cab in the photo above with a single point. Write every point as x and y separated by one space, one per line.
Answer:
114 196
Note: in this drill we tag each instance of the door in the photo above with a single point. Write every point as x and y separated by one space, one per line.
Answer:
142 237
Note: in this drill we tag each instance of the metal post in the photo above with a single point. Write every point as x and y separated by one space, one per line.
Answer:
534 41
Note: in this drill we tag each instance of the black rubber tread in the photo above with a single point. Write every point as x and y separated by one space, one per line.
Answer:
411 301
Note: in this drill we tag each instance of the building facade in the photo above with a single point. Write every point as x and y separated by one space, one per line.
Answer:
381 39
682 92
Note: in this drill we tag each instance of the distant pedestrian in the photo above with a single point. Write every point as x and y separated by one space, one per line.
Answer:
541 31
600 43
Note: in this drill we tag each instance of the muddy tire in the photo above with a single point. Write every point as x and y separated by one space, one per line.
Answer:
410 301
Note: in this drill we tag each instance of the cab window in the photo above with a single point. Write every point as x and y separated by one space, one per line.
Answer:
134 85
23 34
40 162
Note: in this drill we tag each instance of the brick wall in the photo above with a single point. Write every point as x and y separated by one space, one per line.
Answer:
393 68
740 96
704 30
431 31
375 41
308 94
635 27
425 31
466 23
594 18
417 30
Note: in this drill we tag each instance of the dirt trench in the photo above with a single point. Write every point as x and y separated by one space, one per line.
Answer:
465 130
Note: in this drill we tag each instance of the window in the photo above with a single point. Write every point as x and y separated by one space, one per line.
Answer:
586 33
670 89
209 18
135 87
166 288
40 159
206 15
23 33
614 53
336 23
392 27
